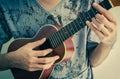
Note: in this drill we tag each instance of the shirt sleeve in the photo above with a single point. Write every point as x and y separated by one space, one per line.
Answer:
92 41
5 33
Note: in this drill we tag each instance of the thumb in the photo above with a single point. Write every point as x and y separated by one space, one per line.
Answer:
37 43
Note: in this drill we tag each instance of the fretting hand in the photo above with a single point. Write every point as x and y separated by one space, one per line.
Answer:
105 26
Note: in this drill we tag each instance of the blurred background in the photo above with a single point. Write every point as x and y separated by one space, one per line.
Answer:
109 69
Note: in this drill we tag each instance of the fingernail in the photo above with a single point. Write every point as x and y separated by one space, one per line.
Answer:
57 57
43 39
94 4
87 22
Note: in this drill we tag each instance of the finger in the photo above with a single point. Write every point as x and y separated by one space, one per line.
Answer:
47 60
42 52
42 66
100 27
105 12
36 43
36 67
97 32
105 22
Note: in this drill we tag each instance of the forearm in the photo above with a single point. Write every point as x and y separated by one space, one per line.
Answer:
4 62
99 54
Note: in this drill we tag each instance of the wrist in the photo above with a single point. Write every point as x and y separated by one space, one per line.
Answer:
5 62
10 59
106 45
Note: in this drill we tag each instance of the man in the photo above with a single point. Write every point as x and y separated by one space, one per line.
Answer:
23 18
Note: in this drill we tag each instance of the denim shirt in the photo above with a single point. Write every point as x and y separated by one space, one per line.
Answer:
24 18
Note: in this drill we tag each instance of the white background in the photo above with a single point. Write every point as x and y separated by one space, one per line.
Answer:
110 68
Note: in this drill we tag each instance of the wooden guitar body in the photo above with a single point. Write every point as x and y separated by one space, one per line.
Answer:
64 51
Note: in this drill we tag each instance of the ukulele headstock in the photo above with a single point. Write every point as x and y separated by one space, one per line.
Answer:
115 3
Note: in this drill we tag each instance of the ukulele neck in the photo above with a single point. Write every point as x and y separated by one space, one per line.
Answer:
80 22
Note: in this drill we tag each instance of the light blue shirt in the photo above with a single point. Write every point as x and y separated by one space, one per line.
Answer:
24 18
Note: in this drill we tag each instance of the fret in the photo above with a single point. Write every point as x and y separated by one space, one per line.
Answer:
74 26
70 28
79 24
82 19
69 31
85 16
65 32
91 13
94 11
88 16
79 21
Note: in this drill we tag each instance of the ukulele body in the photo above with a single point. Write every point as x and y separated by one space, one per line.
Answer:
64 51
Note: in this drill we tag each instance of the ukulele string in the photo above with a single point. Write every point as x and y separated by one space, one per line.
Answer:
52 40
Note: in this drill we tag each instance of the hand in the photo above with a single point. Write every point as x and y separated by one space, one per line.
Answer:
104 25
26 58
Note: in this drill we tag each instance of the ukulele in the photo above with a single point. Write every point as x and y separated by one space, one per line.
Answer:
59 39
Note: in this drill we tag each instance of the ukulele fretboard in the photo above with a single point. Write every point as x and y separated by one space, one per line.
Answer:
58 37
